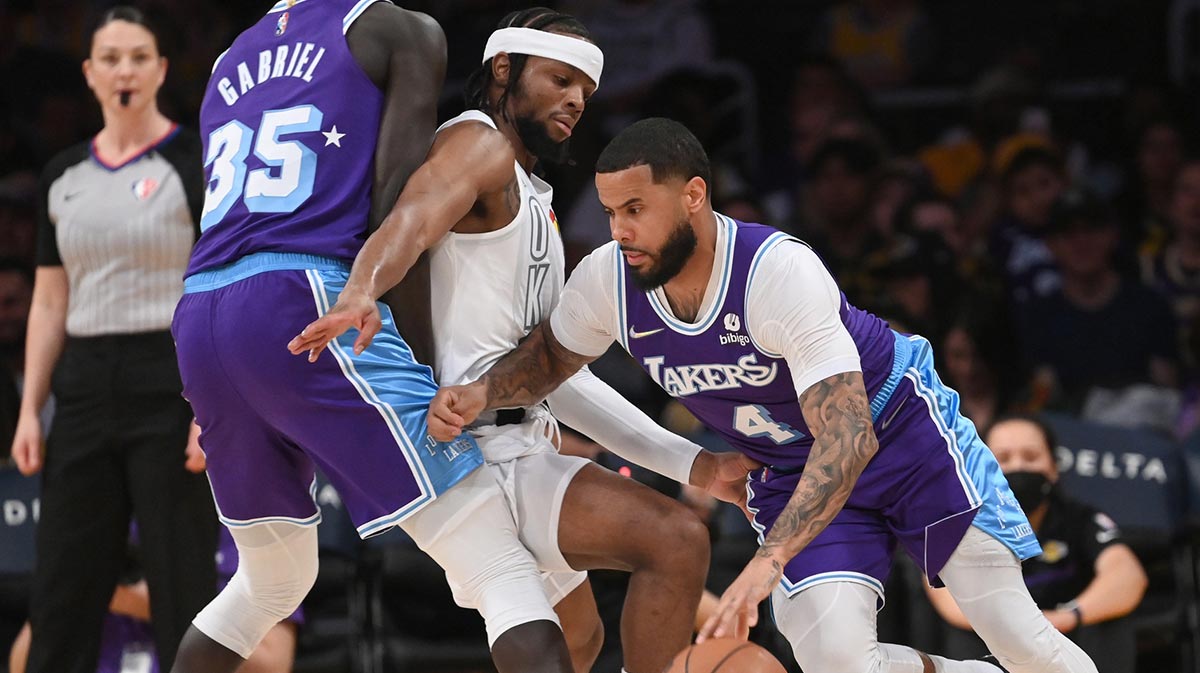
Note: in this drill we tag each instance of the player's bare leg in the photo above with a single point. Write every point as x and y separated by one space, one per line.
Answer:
581 626
612 522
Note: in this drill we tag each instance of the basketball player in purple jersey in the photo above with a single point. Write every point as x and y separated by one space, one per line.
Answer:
496 265
312 121
862 445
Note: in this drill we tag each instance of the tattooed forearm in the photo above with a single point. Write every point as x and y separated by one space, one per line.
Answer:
839 416
530 371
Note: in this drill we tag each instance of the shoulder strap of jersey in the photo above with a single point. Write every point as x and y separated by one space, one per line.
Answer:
468 116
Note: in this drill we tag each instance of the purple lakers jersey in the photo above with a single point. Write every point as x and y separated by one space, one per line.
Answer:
289 123
716 370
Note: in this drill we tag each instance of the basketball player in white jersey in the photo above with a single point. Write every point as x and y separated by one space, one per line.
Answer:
496 265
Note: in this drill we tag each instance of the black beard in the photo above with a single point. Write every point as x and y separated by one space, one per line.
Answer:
669 259
537 140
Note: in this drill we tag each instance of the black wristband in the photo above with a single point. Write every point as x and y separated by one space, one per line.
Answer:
1078 615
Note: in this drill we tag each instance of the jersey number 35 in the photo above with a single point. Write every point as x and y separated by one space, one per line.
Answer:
294 163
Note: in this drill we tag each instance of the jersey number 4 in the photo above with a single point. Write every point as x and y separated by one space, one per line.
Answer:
294 164
753 420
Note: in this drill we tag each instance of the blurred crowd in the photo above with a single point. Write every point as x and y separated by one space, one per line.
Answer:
1019 183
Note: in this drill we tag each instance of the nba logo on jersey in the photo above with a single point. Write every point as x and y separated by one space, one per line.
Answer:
281 24
554 220
142 189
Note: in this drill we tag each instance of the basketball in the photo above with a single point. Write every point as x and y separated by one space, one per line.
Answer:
725 655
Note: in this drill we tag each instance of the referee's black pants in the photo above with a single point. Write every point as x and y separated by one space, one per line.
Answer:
116 448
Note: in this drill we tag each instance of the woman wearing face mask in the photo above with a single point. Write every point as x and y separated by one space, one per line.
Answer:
117 218
1085 577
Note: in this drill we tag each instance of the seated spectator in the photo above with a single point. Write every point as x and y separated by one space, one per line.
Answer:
1031 182
978 361
1148 198
1174 270
1086 578
1099 334
838 223
883 43
16 291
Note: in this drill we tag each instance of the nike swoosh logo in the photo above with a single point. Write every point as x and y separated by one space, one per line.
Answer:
884 425
68 197
634 334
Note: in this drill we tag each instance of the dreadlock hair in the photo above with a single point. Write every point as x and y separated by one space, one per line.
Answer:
475 93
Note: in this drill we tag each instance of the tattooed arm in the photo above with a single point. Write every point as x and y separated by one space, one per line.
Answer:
839 416
522 377
806 327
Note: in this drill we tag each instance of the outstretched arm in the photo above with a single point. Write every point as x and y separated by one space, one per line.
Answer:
592 407
404 53
467 161
522 377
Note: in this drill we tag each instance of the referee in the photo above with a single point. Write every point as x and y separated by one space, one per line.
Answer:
118 217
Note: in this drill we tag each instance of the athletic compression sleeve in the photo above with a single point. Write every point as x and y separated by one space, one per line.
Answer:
590 406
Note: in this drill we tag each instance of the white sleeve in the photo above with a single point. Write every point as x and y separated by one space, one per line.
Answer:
584 320
793 309
590 406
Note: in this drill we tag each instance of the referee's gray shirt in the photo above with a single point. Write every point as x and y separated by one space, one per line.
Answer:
123 233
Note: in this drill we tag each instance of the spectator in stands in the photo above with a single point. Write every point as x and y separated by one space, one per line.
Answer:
643 41
1148 200
884 44
1099 335
1003 104
1031 182
821 94
838 209
1174 270
1086 576
16 291
18 224
978 360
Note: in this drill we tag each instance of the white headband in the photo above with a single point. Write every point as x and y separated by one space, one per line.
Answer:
570 50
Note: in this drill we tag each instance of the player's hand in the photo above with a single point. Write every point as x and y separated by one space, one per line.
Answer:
28 445
738 608
194 460
352 310
455 407
729 479
722 474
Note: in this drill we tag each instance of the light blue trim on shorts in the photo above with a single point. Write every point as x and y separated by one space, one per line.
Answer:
256 263
984 485
436 466
901 354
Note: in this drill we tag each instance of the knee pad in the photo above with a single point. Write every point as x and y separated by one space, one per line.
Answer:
277 565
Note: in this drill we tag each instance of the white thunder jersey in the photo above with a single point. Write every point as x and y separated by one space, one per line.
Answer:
490 290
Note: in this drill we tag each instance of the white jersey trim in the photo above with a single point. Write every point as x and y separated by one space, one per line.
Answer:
355 12
217 61
283 5
718 301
